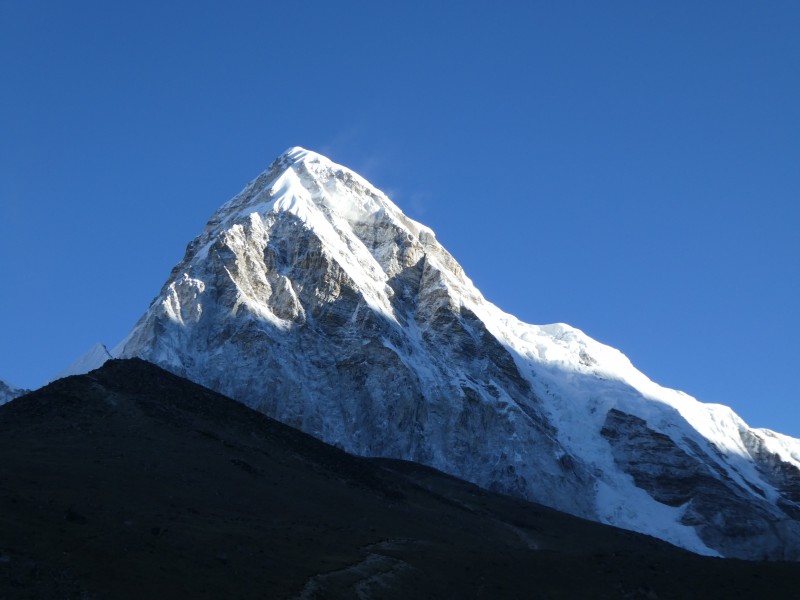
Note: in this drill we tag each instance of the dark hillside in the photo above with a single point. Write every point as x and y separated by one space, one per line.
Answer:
130 482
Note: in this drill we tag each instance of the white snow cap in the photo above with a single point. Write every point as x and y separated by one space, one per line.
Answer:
309 236
297 154
94 358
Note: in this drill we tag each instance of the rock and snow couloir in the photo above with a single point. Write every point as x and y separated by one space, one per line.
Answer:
310 296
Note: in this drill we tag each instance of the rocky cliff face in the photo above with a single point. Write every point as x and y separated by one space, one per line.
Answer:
727 511
311 297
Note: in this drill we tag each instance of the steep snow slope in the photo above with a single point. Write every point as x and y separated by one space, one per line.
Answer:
8 392
94 358
311 297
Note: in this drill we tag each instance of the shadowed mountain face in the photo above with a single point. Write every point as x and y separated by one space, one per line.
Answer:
131 482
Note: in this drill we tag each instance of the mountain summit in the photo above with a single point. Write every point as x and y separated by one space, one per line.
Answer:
311 297
94 358
8 392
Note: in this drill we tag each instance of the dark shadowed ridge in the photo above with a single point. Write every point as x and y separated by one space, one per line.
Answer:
130 482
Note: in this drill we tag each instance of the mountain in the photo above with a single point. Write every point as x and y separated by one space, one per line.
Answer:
312 298
90 360
8 392
130 482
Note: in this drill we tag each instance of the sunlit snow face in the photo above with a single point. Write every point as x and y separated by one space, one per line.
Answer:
367 332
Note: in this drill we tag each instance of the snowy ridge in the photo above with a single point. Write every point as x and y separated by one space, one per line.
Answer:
94 358
312 297
788 448
8 392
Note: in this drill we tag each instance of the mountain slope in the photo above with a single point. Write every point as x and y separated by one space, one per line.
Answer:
9 392
312 298
90 360
130 482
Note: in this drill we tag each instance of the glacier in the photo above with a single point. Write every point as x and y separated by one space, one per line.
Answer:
311 297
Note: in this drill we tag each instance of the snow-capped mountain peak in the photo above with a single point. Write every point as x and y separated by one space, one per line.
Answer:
312 297
8 392
94 358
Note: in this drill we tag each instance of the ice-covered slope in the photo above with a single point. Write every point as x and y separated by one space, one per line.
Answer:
311 297
8 392
94 358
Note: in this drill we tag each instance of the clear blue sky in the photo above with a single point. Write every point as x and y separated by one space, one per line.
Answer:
630 168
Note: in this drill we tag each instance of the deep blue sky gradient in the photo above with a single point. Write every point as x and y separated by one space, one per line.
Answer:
630 168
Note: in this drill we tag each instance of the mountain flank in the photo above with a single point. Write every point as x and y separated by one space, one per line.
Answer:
312 298
130 482
9 392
